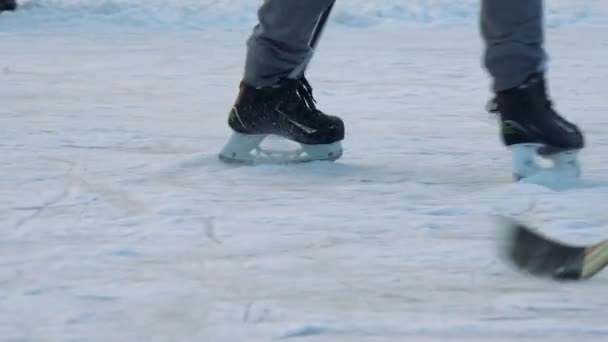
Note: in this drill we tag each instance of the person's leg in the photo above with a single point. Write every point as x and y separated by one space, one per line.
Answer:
513 33
515 58
280 42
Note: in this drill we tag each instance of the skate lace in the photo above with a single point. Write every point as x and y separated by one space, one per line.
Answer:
304 93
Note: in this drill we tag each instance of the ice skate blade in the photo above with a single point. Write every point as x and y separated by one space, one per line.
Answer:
528 163
246 149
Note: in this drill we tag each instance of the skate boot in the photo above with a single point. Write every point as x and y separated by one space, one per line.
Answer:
287 110
539 138
8 5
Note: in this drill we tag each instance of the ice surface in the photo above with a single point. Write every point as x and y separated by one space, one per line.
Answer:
240 14
119 224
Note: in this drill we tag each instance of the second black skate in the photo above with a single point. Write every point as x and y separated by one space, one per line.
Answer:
531 127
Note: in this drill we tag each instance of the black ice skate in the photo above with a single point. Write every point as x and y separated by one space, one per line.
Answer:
286 109
8 5
531 128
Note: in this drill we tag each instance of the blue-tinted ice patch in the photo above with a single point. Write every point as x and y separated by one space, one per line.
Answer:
97 298
125 252
309 330
84 317
35 292
448 211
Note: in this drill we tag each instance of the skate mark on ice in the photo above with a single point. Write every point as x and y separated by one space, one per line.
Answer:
354 329
186 173
481 330
306 331
125 253
75 184
35 292
43 291
65 193
210 230
160 149
255 313
117 198
82 318
450 211
97 298
210 162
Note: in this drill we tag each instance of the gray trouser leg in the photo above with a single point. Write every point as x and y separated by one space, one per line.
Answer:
279 43
513 33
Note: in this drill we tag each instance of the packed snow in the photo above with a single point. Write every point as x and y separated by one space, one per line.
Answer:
118 222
